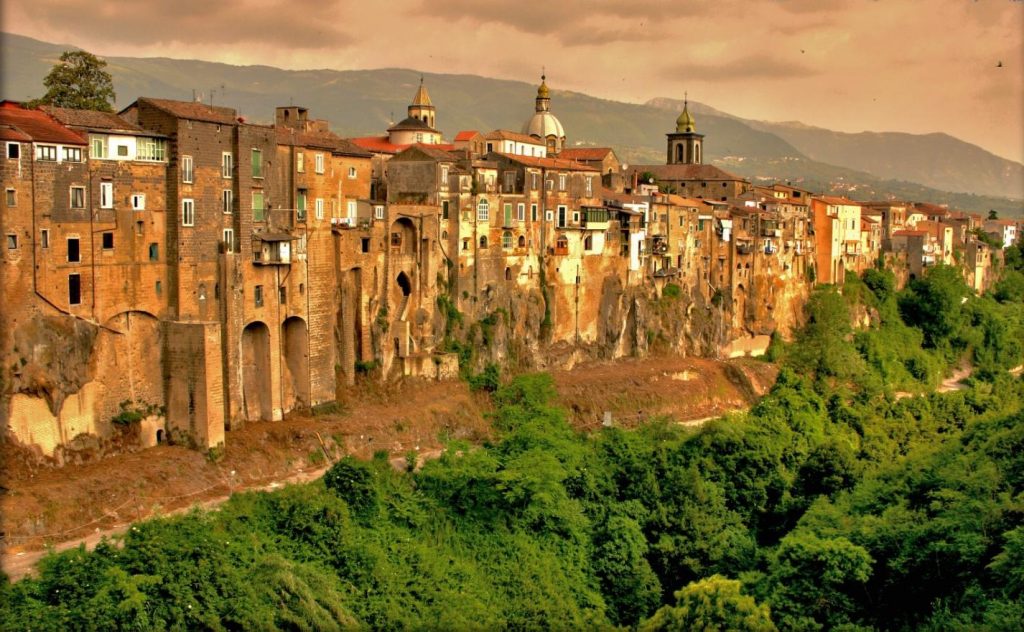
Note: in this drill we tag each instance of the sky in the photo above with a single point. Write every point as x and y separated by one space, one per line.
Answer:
916 66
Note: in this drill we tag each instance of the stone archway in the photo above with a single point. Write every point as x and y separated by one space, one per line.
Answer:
296 363
256 384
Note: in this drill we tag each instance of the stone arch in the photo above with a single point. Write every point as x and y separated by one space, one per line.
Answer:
404 283
257 403
403 236
127 355
295 337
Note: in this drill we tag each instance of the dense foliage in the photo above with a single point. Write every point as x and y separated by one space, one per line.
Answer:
833 504
79 81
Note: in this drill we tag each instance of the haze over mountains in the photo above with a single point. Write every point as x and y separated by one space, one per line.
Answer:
932 167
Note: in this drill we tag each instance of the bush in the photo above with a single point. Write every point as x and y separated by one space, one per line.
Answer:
487 380
672 291
354 482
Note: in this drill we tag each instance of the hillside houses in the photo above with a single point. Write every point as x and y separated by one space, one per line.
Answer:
176 261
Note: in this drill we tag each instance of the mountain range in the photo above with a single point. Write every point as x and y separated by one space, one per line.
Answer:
928 167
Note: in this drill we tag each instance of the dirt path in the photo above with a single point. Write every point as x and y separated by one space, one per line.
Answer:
81 504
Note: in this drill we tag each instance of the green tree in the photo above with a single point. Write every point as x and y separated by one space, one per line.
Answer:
79 82
933 304
711 604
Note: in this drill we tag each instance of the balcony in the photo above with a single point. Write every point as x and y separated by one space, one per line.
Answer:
744 248
269 249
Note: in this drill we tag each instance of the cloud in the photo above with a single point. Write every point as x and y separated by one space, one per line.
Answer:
203 22
741 69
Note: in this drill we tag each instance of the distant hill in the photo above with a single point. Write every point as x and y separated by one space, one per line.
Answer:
363 102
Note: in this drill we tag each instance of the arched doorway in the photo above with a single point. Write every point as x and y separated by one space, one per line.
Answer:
256 393
296 362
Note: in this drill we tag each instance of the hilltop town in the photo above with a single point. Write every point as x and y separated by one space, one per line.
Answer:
175 268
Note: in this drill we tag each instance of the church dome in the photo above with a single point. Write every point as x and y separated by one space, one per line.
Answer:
685 122
544 124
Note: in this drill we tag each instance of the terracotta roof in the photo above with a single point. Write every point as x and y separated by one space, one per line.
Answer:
26 125
192 110
585 153
625 198
377 144
910 233
546 163
504 134
679 200
323 140
94 120
686 172
466 135
12 133
836 200
430 151
1001 222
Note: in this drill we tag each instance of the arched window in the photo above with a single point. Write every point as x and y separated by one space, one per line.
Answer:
522 241
483 241
483 210
679 152
444 234
562 242
506 240
508 274
588 243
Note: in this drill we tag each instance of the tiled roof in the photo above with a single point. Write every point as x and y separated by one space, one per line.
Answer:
430 151
547 163
12 133
466 135
585 153
910 233
378 144
411 123
193 110
323 140
94 120
686 172
836 200
504 134
679 200
36 125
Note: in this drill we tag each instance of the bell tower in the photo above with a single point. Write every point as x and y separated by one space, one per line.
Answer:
421 108
685 145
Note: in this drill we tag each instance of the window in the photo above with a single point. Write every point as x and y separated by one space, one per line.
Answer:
97 147
507 214
550 184
229 240
465 244
159 285
533 212
122 151
72 154
46 152
300 162
154 251
444 176
588 243
444 209
351 172
227 162
74 289
257 295
506 240
257 163
12 197
549 215
562 212
282 294
138 201
521 212
188 212
106 195
258 212
74 252
12 242
151 149
186 169
483 211
365 244
318 160
227 199
77 197
378 212
352 209
522 241
510 181
319 208
108 240
44 238
533 180
13 151
561 182
575 217
589 184
483 241
419 137
300 205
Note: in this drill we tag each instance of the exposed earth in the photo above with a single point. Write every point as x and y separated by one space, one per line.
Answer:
46 506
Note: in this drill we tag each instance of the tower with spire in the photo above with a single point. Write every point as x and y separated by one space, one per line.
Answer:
418 126
685 145
421 107
544 125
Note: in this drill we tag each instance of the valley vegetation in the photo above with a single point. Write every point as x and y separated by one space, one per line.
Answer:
851 497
